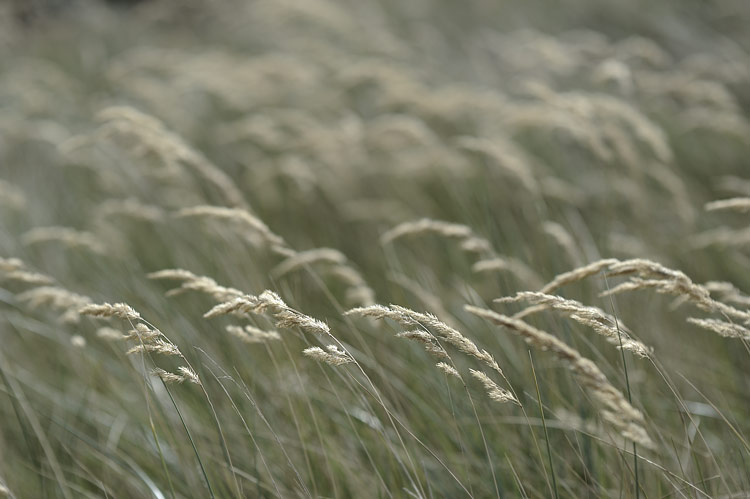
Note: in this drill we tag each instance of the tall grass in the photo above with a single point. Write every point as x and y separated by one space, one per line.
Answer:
275 249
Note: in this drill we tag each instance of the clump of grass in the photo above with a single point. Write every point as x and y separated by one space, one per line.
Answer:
668 281
286 317
332 355
444 332
598 320
616 409
147 338
303 156
451 336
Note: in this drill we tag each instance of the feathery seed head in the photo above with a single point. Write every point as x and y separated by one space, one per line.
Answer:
493 390
120 310
334 356
447 369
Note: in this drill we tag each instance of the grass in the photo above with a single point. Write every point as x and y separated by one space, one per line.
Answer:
330 249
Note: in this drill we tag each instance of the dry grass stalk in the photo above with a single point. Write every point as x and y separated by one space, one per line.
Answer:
672 282
143 333
651 275
334 356
194 282
309 257
152 135
723 328
285 316
252 226
577 274
167 376
598 320
427 225
448 369
69 237
407 317
147 339
493 390
189 374
245 304
429 342
645 268
735 204
251 334
156 346
186 374
57 298
104 310
141 330
616 409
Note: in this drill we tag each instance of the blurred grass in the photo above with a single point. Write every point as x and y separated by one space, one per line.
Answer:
336 121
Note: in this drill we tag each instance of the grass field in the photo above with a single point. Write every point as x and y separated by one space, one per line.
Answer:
375 249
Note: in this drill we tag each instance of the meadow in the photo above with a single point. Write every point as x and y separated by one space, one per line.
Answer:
375 249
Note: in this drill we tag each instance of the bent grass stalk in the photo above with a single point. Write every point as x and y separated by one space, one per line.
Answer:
615 409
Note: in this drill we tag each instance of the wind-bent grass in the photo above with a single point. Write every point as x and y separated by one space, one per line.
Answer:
257 192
